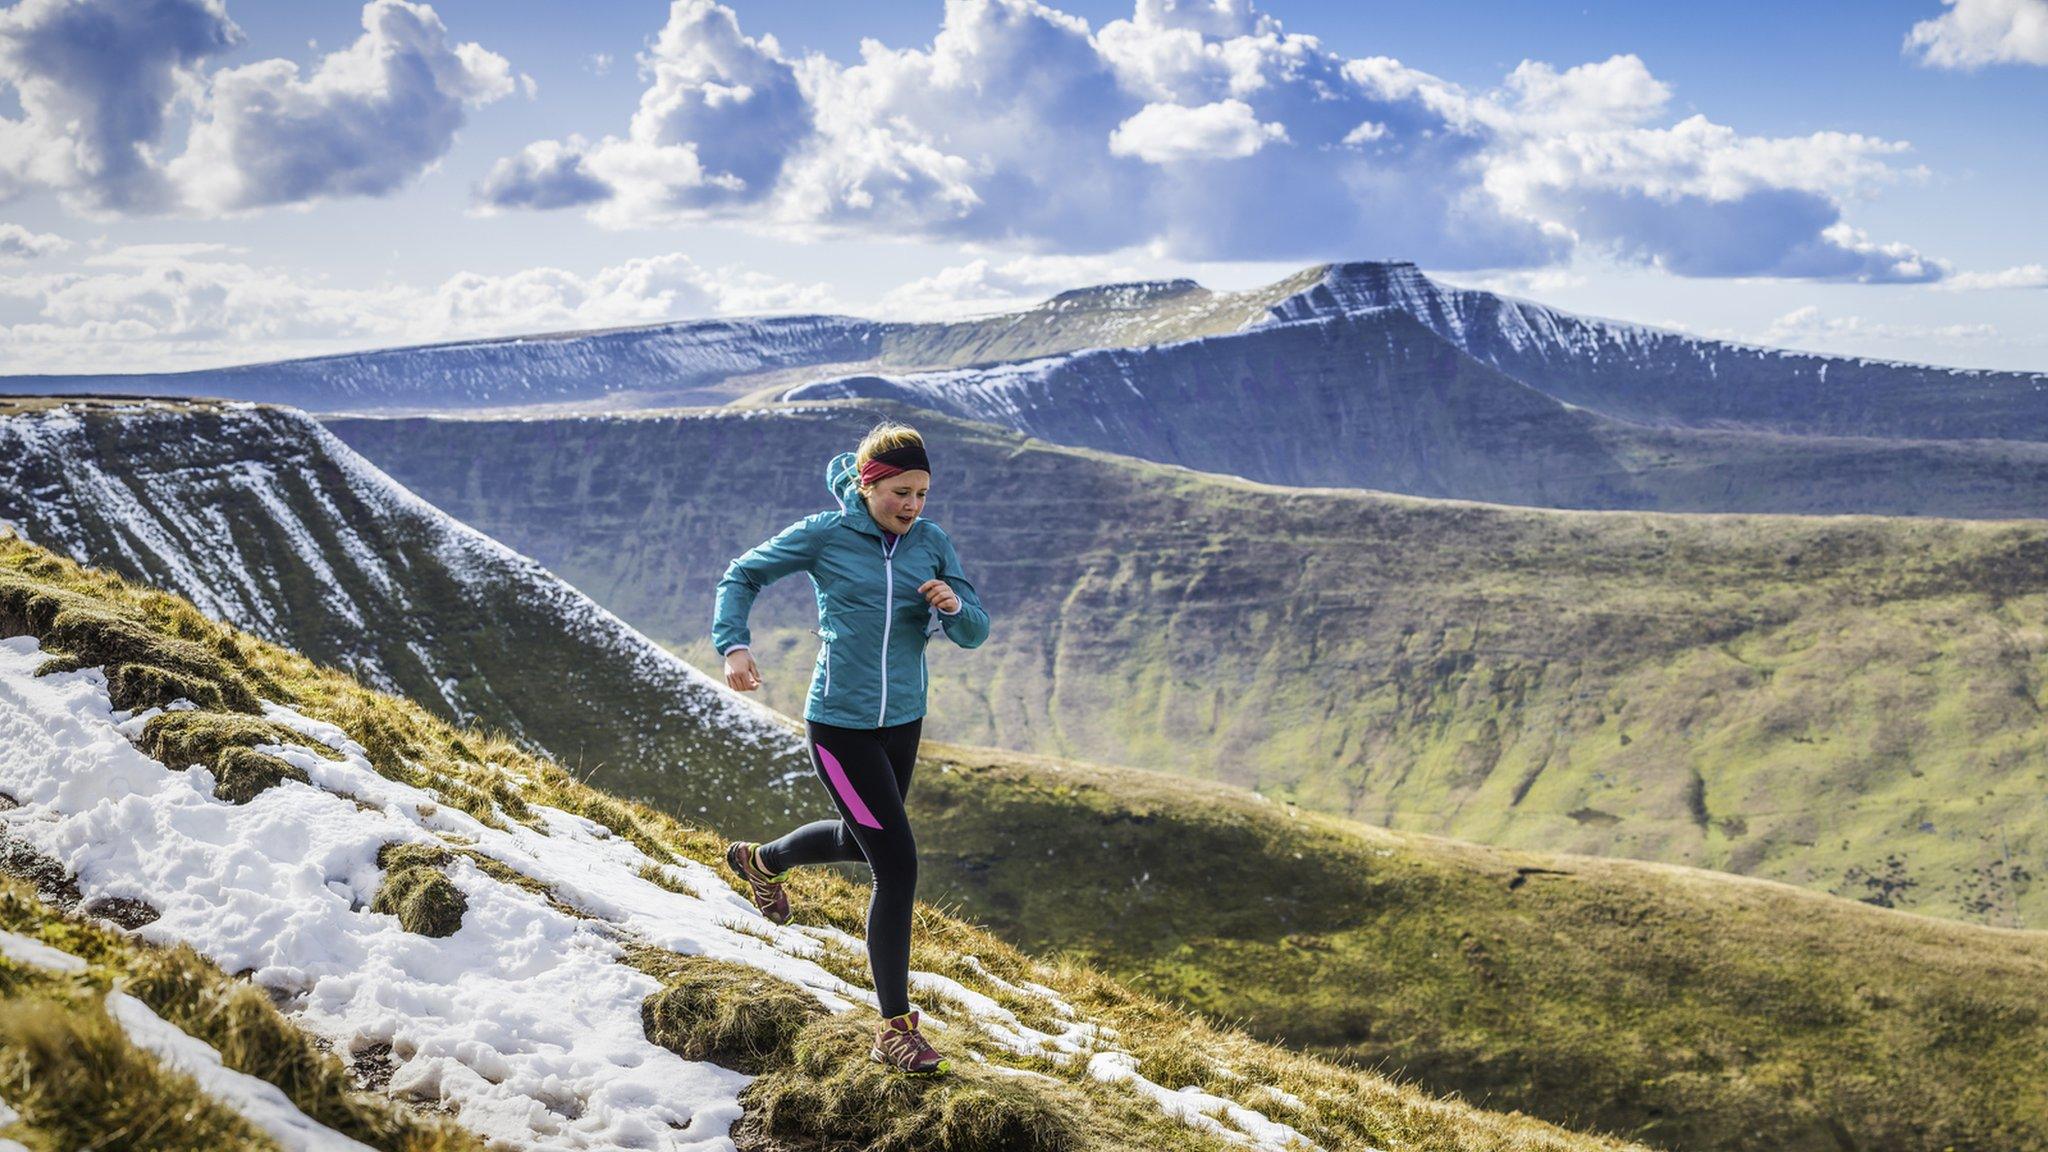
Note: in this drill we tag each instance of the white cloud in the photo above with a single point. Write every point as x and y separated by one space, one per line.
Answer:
1174 133
95 80
163 307
2019 276
1973 33
369 118
1020 126
18 243
714 128
99 79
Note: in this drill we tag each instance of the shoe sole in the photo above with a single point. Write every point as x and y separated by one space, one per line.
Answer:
944 1066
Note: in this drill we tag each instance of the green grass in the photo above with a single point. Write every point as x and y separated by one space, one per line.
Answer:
813 1071
1848 703
1686 1008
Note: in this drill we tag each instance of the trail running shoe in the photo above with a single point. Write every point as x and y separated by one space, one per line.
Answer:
901 1046
768 893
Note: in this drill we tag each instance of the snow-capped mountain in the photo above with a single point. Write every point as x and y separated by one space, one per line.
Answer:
1659 376
1356 390
1628 371
264 519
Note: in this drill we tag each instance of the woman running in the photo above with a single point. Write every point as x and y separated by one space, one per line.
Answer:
887 580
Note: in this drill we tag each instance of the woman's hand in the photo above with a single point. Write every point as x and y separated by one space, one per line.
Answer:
940 595
740 673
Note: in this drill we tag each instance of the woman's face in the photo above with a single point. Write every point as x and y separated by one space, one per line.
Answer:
897 500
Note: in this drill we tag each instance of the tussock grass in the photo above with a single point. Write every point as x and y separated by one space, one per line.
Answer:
1691 1009
417 890
225 742
831 1096
729 1013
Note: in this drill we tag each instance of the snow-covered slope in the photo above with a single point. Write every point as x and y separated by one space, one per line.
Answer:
262 518
524 1022
1660 376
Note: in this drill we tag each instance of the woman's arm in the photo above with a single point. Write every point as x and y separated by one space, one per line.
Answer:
792 550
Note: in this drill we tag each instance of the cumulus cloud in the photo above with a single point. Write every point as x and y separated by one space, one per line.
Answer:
95 80
1171 133
1973 33
179 305
18 243
544 174
98 79
714 128
366 121
1207 130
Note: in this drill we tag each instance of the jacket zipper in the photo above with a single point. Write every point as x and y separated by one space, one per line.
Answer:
888 610
828 669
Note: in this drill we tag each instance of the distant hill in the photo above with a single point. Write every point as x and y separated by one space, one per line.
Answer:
1851 704
264 519
1372 397
1628 371
1660 376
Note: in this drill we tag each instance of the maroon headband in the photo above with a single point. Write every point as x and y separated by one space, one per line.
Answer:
907 458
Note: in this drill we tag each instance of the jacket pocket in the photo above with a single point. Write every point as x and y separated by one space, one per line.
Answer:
826 635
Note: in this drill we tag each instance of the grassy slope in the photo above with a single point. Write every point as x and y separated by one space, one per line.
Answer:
1687 1008
1847 703
813 1091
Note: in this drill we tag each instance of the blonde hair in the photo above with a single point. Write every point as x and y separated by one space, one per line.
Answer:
884 437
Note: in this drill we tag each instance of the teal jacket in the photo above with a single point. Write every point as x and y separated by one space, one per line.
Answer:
872 623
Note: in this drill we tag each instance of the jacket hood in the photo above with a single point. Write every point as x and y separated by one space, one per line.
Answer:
843 479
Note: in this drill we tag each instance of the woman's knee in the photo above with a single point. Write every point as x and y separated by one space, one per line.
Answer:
897 869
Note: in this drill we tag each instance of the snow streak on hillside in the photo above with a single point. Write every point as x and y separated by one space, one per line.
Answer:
265 520
524 1022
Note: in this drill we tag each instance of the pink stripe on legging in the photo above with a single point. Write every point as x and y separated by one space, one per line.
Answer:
844 787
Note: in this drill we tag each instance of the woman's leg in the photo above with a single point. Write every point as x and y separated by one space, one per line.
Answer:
863 777
831 841
819 842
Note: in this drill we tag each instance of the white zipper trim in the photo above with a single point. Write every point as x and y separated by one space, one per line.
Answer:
828 669
888 610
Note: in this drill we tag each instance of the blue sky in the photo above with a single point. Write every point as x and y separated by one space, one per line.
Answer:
186 183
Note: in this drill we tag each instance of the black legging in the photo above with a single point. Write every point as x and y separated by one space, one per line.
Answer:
867 771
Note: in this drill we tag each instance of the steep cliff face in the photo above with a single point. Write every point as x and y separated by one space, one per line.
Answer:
1659 376
264 520
1800 698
